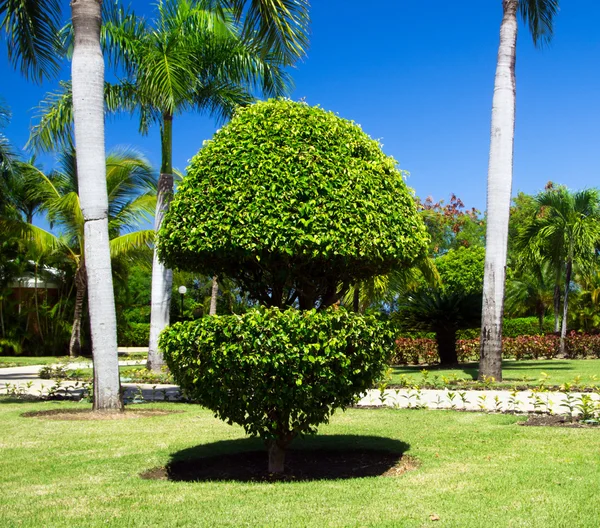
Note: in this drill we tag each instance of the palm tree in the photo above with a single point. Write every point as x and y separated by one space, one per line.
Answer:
129 180
531 292
566 231
7 158
539 15
31 29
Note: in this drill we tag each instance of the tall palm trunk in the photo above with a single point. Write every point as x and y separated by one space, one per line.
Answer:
80 287
500 169
213 296
563 328
88 112
557 298
162 278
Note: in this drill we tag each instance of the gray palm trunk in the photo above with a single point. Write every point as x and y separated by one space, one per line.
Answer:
500 168
88 111
213 296
162 278
563 330
80 286
557 305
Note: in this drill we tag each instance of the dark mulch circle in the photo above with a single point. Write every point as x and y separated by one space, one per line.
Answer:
87 414
548 420
300 465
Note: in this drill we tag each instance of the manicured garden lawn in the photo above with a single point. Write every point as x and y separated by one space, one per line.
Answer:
25 361
525 372
475 470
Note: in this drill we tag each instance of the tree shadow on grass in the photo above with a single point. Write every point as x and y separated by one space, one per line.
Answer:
322 457
546 364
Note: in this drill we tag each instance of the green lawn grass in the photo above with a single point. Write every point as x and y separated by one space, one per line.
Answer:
26 361
475 470
525 372
132 373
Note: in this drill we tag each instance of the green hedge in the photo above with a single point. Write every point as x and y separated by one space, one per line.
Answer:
424 350
515 327
134 334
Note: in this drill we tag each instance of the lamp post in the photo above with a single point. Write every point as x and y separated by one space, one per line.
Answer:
182 291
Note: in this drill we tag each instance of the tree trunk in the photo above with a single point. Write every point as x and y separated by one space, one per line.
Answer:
563 330
276 457
556 307
500 167
213 296
80 286
446 345
88 113
356 298
541 315
162 278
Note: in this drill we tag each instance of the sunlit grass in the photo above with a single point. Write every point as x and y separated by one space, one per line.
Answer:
475 470
26 361
525 372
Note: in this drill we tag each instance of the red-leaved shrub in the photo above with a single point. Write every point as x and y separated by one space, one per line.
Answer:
422 350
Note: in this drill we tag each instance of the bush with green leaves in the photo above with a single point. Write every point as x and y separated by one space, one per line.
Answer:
461 270
294 203
133 334
278 374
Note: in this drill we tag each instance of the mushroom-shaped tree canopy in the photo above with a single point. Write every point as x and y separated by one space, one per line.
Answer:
294 203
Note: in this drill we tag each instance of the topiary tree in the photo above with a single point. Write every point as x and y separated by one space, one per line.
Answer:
277 373
295 204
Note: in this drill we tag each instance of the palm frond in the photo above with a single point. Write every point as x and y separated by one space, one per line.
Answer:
539 16
42 241
31 28
281 25
131 242
54 131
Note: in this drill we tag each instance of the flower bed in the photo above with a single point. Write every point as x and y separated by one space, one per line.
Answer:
424 350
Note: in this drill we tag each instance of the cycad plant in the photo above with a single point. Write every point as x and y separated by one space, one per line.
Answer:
442 311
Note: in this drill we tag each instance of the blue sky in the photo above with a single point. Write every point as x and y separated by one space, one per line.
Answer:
419 77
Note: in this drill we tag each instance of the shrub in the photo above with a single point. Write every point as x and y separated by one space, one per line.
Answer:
134 334
414 351
461 270
525 326
276 373
292 201
582 345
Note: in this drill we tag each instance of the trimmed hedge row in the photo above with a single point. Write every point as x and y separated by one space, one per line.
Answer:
424 350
